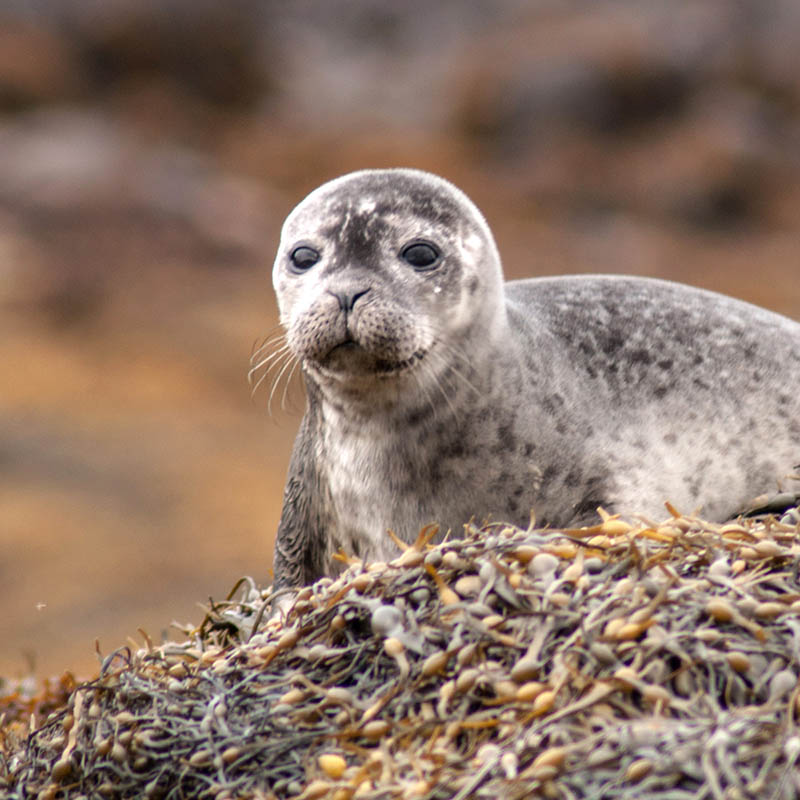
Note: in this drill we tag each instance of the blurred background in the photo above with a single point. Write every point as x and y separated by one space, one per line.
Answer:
149 151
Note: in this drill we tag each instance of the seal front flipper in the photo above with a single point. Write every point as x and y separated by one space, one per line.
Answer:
300 544
772 504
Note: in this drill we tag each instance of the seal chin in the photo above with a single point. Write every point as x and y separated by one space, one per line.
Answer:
351 360
389 367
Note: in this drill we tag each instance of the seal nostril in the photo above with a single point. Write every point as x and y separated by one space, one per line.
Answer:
347 299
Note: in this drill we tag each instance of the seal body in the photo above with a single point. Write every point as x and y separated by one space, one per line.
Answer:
438 393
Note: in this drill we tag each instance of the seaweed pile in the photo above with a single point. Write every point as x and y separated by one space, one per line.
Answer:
645 660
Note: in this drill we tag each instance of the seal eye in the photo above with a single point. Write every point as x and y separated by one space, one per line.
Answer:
420 255
303 258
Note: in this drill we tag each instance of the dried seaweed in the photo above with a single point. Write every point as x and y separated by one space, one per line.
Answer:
647 661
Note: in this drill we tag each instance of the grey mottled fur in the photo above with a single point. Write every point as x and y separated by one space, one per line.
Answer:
459 396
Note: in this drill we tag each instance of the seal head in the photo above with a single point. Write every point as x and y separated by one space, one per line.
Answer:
371 268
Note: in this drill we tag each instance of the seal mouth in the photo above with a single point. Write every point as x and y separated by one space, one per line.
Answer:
351 359
388 367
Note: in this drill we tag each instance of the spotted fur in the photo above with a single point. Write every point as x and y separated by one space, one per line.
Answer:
441 395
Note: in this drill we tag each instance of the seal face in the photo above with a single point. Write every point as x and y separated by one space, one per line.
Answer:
437 393
369 266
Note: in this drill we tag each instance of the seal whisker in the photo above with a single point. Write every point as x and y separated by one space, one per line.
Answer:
454 352
426 387
258 385
268 362
286 385
453 348
286 358
256 357
437 382
291 362
275 334
271 357
453 370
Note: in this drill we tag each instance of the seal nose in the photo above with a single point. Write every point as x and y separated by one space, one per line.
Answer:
348 299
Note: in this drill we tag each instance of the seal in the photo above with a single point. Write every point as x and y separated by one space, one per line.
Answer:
438 393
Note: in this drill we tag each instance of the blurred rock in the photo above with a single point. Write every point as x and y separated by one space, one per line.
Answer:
623 106
37 65
72 163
